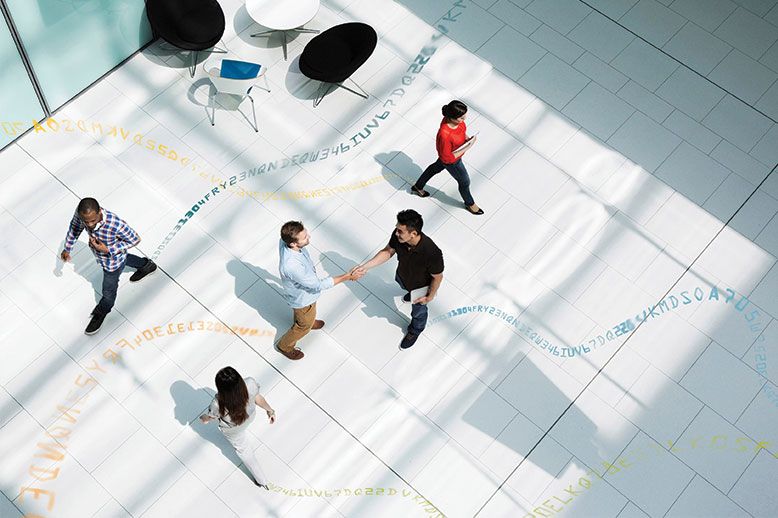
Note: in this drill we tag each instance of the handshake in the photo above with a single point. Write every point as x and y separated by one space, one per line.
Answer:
356 273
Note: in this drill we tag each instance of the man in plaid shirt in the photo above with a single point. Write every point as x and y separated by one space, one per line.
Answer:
109 238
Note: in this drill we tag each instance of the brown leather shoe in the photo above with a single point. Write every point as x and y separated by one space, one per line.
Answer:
318 324
294 354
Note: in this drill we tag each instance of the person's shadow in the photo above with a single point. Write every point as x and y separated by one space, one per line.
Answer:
375 283
404 170
183 394
273 309
84 264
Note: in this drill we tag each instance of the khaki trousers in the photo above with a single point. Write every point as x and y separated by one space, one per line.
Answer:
303 322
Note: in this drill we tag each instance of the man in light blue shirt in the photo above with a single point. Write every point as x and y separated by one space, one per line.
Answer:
302 286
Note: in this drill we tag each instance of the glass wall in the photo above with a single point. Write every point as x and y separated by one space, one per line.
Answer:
18 102
71 43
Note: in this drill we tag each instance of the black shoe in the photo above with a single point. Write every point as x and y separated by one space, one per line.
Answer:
408 340
407 297
95 324
476 212
148 268
419 192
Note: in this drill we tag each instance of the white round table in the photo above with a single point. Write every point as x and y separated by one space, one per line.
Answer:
283 16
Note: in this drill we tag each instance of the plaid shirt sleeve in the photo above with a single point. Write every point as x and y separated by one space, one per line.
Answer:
75 229
127 239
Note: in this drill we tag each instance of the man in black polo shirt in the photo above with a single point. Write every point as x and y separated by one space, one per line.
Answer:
419 265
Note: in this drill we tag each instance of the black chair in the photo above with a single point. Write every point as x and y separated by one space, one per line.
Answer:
335 54
193 25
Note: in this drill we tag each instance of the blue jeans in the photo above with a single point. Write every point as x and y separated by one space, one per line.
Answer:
457 170
111 284
418 313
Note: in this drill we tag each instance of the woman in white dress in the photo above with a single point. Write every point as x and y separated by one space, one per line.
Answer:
234 406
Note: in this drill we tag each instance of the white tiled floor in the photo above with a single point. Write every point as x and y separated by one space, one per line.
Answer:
618 138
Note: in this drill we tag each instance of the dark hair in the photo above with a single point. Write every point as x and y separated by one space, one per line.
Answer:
411 219
232 395
88 205
289 231
454 110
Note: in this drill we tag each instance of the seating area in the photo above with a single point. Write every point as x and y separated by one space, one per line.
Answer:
330 58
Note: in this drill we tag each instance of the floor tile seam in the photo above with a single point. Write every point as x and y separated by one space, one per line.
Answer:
546 102
20 409
572 403
632 384
751 402
504 25
726 495
759 282
694 419
637 434
683 139
346 358
494 253
732 49
581 462
762 56
731 489
473 6
95 479
660 50
740 5
195 475
19 266
764 228
713 192
140 497
712 340
689 483
649 434
35 323
635 228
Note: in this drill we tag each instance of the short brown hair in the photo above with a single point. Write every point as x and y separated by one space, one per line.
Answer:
289 231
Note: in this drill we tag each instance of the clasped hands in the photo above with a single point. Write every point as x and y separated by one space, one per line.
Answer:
357 273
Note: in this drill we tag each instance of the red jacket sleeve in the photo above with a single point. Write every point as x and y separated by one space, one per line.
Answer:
445 148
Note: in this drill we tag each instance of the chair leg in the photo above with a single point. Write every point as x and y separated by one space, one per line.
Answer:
324 89
267 84
362 92
193 63
213 106
285 58
264 33
254 113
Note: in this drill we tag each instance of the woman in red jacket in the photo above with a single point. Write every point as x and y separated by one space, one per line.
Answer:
452 142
